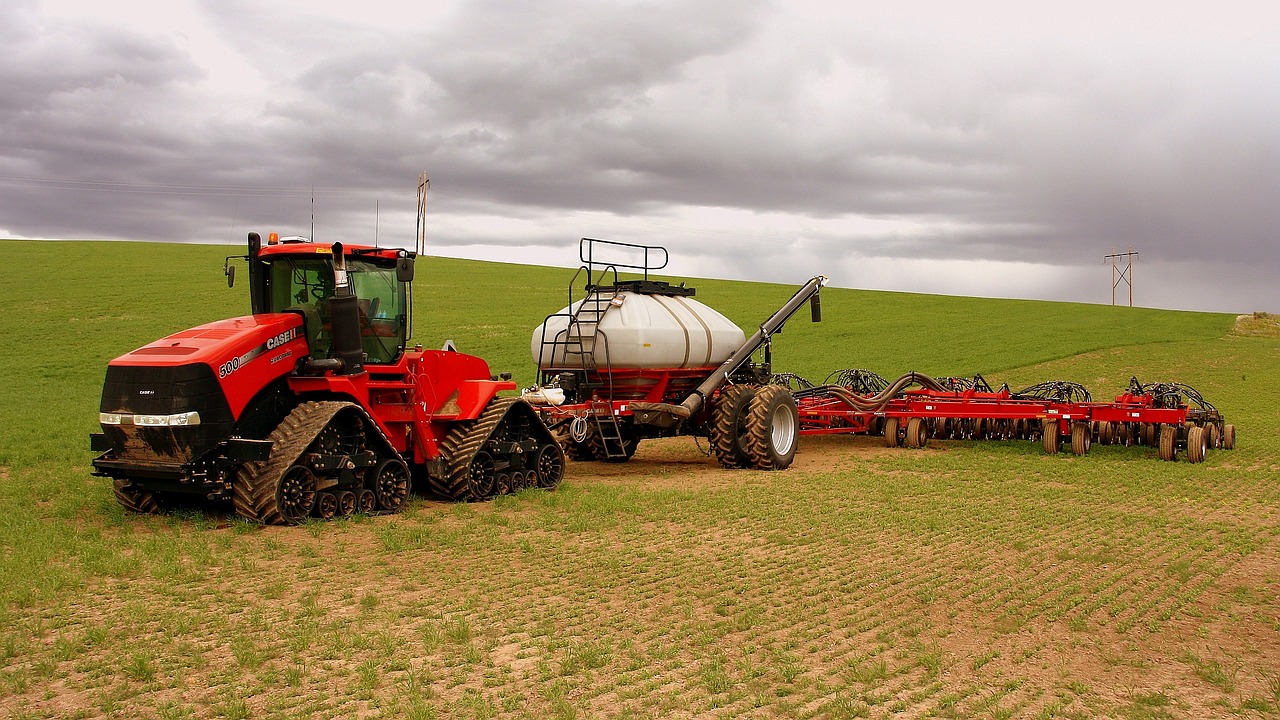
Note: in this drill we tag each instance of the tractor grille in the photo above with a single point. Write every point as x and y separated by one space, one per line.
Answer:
144 390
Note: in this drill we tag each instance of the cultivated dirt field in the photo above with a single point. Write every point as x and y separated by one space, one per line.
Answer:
846 586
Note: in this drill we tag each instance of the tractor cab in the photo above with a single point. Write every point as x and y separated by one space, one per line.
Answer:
295 275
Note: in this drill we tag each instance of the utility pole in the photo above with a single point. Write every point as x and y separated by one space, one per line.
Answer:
1121 274
424 184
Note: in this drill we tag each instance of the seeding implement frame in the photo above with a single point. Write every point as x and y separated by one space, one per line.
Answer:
1141 415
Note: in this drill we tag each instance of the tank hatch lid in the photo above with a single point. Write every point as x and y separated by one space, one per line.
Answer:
646 287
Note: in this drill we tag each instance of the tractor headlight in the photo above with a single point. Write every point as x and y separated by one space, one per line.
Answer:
175 420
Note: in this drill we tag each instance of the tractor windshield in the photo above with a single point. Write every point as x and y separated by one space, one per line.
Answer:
304 284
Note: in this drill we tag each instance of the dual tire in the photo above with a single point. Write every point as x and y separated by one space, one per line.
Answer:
755 428
914 435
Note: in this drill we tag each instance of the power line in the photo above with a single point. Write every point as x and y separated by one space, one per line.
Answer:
1125 274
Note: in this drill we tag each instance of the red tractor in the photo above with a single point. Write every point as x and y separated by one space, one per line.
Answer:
313 406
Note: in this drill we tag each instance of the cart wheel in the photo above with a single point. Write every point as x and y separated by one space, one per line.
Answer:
1081 438
1124 434
1214 435
1049 433
917 433
729 426
1168 443
1228 437
891 432
1150 434
773 428
1197 444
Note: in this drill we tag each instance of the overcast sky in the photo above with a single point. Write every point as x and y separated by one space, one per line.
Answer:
975 148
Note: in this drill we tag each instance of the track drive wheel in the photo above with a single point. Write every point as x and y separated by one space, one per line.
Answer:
1081 438
1168 443
482 477
295 495
891 438
773 428
1197 444
548 467
134 499
917 433
729 426
1049 433
391 482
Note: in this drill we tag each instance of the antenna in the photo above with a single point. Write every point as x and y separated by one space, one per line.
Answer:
1124 275
313 213
424 184
376 216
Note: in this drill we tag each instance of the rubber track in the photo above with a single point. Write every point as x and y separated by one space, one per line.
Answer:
254 491
133 499
461 446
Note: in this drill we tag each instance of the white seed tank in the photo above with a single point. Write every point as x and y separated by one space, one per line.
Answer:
624 329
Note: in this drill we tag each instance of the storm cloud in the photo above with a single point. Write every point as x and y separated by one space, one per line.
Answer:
992 150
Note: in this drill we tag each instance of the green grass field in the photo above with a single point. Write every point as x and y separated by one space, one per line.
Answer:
982 580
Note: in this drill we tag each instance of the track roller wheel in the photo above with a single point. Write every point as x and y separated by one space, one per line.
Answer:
729 426
346 503
548 467
1081 438
134 499
1049 434
502 484
366 501
1197 444
296 494
519 481
391 484
1168 443
773 428
482 479
891 438
326 506
1228 437
917 433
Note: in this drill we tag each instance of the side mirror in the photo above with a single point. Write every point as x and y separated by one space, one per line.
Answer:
404 270
815 308
230 271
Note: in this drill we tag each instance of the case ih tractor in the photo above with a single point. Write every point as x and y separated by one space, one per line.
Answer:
313 406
